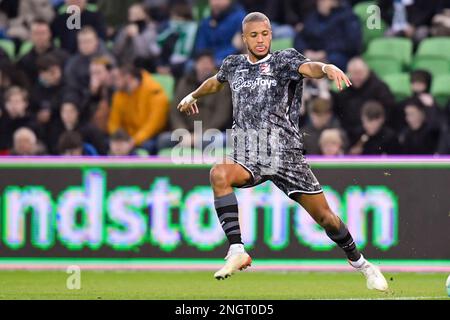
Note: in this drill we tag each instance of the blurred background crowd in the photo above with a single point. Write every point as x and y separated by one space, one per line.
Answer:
111 87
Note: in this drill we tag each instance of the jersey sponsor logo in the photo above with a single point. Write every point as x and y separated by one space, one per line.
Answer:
240 83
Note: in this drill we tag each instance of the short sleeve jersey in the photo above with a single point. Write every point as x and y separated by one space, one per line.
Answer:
267 94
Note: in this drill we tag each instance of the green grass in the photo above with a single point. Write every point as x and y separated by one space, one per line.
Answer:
201 285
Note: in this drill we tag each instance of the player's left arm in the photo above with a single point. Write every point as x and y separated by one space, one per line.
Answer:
318 70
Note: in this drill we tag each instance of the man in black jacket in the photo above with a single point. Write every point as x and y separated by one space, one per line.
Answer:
374 137
41 37
366 87
68 36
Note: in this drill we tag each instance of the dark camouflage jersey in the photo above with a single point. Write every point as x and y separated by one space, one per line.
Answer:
267 97
267 94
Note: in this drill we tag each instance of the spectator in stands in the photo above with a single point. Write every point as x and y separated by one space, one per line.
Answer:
312 89
115 11
285 15
216 110
25 143
30 11
441 20
366 86
332 33
419 137
420 87
77 72
101 91
375 138
217 31
177 40
71 144
140 107
291 12
121 145
69 121
47 92
41 38
11 76
16 115
68 35
408 18
136 42
332 142
320 118
159 9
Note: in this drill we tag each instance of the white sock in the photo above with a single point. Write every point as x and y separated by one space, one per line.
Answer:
237 248
359 263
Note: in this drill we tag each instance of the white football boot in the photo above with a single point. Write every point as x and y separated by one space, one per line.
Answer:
237 260
375 279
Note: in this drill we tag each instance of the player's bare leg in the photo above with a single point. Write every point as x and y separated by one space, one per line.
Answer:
317 207
223 178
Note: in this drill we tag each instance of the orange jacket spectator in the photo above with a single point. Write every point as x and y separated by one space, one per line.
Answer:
140 107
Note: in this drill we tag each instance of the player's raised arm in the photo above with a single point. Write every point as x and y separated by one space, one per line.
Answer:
189 103
318 70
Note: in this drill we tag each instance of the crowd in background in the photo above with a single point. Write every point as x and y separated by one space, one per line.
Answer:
94 90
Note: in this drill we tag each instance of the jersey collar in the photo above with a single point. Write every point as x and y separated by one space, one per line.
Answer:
260 61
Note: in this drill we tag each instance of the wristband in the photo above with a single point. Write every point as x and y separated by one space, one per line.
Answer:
189 99
323 68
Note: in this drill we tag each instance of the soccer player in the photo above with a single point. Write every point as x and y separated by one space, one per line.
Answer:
266 93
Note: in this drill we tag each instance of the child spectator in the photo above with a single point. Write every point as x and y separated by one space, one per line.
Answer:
320 118
332 143
121 145
15 116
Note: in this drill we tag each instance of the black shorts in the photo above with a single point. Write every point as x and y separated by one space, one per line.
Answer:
292 175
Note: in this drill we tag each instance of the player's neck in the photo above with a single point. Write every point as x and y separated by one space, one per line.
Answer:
254 59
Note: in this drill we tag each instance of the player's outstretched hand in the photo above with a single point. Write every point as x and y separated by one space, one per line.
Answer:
338 76
188 105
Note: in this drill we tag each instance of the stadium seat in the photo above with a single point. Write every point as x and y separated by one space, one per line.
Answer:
201 9
435 65
25 48
440 89
9 48
396 48
384 65
92 7
434 47
167 82
369 34
399 84
282 43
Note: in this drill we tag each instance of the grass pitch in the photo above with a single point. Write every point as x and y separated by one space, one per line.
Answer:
201 285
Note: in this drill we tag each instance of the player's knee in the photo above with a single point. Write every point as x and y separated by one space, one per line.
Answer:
218 177
329 221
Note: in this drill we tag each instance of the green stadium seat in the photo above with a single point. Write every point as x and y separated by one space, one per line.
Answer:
282 43
383 65
167 82
201 9
92 7
399 84
440 89
435 65
396 48
9 47
369 34
434 47
25 48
